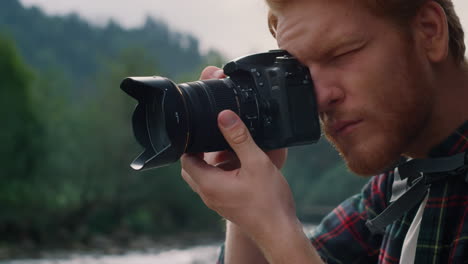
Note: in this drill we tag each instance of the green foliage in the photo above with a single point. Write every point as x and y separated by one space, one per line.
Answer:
158 198
213 58
69 142
64 160
77 48
16 112
306 164
20 135
318 177
335 185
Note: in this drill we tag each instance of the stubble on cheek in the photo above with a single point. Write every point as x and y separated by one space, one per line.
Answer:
393 100
370 151
391 123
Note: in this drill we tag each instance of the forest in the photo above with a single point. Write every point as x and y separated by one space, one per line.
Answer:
66 138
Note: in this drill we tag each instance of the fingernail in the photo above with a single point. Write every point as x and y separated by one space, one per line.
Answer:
227 119
218 74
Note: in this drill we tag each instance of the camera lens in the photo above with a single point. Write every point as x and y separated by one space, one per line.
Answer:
172 119
205 100
271 92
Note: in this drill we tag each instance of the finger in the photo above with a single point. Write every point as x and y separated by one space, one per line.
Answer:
189 181
278 157
214 158
212 72
237 135
229 165
197 167
200 155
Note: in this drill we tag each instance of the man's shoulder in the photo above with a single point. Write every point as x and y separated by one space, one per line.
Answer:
380 184
375 195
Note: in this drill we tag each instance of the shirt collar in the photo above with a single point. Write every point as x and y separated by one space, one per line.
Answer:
457 142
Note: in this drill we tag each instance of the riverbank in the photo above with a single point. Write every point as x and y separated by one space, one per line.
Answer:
101 245
194 255
183 248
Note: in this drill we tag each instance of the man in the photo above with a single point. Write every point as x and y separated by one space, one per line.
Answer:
391 80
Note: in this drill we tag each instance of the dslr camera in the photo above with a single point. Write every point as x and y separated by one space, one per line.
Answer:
271 92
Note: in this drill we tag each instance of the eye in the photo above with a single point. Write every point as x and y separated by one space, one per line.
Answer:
346 56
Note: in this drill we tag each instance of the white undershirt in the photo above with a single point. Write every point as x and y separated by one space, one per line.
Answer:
408 252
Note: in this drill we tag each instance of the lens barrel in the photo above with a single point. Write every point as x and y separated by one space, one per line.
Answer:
205 100
172 119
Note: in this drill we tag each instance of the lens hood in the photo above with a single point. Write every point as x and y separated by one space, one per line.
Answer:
160 120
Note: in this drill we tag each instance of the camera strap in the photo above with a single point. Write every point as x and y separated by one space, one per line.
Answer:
412 181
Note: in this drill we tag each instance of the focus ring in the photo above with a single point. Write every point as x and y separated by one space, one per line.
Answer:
223 98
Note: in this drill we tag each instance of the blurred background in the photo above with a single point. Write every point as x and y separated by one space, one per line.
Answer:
67 193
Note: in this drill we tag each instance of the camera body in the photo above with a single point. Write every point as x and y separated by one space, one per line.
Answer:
271 92
278 94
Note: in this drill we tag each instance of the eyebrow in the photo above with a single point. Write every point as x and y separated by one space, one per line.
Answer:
325 40
335 45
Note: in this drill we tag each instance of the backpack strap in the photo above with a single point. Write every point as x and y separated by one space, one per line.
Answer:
412 181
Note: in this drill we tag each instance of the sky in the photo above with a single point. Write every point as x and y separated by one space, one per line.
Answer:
234 27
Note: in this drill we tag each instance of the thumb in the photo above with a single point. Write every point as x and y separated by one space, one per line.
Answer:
212 72
237 135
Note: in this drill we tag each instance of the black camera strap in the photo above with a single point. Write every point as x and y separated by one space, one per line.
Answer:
412 181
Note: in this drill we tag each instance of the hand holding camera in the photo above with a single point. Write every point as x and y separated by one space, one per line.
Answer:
271 92
255 196
240 140
227 160
267 102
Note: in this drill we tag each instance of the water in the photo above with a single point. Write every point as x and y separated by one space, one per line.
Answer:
193 255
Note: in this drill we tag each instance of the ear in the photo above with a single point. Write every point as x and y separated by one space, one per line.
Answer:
432 30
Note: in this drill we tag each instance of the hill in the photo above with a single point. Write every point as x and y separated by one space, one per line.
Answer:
78 49
67 139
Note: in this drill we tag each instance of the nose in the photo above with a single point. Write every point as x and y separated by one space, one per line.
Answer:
328 90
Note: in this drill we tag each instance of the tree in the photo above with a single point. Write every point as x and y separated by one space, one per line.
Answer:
21 137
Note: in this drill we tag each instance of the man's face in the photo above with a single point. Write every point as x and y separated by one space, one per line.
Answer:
371 81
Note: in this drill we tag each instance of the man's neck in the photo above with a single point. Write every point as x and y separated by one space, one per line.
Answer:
449 111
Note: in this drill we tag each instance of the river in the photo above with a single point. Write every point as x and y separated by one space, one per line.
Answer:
192 255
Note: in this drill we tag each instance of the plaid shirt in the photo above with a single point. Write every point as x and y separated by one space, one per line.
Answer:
342 236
